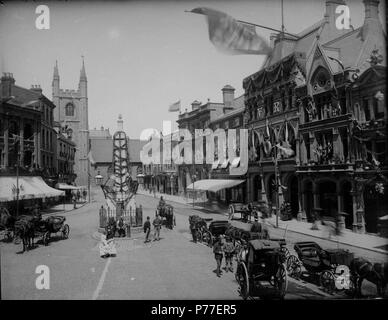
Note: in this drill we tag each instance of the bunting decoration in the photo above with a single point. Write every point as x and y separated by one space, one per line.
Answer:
231 36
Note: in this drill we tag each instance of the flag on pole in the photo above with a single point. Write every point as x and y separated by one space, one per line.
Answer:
90 157
231 36
175 106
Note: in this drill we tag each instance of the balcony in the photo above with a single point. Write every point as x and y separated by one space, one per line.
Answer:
325 123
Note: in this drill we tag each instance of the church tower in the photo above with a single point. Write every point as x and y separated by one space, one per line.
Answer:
72 112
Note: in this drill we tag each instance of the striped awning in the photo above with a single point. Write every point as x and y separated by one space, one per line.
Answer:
213 185
30 187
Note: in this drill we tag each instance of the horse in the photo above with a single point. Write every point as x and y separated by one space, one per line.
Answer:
24 230
377 273
7 222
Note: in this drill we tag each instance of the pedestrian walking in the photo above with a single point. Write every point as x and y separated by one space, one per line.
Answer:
121 227
157 223
74 201
218 255
147 230
229 249
107 246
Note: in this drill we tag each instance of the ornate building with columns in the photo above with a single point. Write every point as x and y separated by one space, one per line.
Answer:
322 94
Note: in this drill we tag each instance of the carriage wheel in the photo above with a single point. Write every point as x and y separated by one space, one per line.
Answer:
281 280
65 231
243 280
285 254
327 281
293 266
46 238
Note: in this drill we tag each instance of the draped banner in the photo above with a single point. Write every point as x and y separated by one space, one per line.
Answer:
231 36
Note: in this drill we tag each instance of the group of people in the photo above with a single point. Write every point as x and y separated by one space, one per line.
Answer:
223 246
157 223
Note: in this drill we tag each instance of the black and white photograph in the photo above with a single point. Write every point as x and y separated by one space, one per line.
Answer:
193 150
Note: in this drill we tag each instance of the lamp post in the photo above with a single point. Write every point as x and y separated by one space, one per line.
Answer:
193 178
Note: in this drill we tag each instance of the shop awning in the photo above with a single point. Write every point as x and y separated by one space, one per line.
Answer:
213 185
65 186
30 188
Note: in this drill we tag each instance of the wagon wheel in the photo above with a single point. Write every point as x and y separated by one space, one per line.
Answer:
327 281
65 231
46 238
281 280
293 266
198 235
285 254
243 280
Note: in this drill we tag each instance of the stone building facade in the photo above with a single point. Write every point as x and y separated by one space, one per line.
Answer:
72 111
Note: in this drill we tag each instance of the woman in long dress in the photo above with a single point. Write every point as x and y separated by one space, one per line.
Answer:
107 247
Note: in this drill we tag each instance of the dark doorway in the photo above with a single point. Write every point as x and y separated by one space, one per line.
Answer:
272 190
293 194
309 201
328 198
347 204
256 187
376 205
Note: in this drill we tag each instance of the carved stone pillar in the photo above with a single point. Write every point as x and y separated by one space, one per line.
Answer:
313 146
358 207
263 191
316 209
301 201
338 148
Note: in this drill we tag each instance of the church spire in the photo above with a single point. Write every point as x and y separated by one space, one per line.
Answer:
56 73
83 72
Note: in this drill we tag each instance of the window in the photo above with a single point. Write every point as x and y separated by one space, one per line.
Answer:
69 110
378 108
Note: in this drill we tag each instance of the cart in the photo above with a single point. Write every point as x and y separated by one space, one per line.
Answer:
320 266
166 212
53 224
260 272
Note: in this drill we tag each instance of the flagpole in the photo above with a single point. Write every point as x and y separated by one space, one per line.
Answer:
282 20
259 26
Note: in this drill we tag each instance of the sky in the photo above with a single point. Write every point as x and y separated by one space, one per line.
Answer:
140 56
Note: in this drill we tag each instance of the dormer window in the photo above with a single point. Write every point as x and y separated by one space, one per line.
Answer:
69 110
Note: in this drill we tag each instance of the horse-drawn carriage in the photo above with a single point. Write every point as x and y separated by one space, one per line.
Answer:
166 213
323 267
207 233
29 227
260 270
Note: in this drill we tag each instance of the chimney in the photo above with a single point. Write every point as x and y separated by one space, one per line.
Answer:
195 105
330 14
371 21
228 96
7 81
36 88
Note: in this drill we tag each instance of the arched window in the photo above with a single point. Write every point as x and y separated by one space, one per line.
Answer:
69 110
